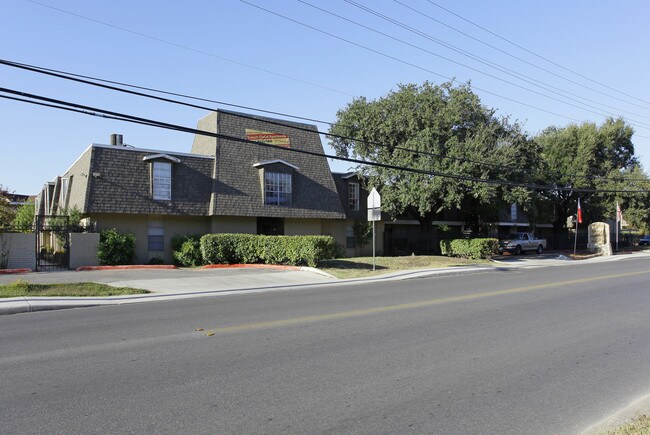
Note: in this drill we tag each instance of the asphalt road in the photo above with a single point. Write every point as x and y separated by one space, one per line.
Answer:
547 350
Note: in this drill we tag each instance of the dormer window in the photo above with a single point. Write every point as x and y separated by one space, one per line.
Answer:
276 181
353 196
161 176
277 188
162 181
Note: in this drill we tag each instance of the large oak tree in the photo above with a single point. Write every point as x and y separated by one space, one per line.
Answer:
588 156
443 129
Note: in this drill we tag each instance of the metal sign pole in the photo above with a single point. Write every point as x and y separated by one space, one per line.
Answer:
373 246
374 214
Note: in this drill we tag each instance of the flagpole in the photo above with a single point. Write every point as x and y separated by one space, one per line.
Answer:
575 240
617 232
578 221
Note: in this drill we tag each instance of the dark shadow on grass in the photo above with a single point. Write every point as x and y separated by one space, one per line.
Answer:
342 264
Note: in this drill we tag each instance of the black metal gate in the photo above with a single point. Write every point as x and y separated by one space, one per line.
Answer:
52 243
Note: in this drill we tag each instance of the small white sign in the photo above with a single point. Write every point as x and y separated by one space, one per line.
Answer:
374 214
374 199
513 212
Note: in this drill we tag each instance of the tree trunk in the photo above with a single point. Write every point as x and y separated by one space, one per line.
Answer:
426 230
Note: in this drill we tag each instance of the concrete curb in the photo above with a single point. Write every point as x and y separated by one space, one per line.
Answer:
25 304
127 267
30 304
635 408
14 271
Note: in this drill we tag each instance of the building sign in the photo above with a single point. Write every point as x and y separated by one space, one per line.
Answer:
269 138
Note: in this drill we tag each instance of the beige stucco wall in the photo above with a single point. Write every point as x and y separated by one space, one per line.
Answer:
303 227
138 225
83 249
233 224
20 249
339 229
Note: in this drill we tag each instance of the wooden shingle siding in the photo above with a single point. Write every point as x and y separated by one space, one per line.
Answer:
120 182
238 190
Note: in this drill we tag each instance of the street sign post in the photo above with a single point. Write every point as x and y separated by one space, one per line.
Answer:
374 214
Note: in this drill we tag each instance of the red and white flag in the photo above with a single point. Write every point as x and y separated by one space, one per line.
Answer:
579 212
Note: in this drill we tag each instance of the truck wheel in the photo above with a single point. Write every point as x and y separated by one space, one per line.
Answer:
518 250
540 249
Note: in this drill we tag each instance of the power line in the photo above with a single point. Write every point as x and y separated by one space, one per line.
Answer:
91 81
282 75
192 49
538 55
525 78
423 68
93 111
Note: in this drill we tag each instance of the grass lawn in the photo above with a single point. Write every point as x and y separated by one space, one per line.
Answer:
362 266
638 426
23 288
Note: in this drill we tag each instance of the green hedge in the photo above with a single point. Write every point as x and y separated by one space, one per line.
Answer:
187 251
115 248
469 248
249 248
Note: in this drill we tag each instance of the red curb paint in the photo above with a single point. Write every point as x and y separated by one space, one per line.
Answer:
127 267
251 266
8 271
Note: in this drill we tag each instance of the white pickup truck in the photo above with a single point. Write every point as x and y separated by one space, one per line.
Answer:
518 243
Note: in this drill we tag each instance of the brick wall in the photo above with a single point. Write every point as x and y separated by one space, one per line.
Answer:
21 249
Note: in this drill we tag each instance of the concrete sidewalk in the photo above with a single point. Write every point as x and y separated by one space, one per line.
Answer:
169 284
165 284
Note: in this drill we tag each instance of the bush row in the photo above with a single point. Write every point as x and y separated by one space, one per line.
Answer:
469 248
250 248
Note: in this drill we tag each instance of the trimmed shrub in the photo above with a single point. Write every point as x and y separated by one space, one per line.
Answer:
115 248
187 251
469 248
249 248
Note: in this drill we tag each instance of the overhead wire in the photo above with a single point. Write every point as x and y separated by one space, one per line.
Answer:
507 53
192 49
514 44
411 64
262 69
94 111
525 78
91 81
273 72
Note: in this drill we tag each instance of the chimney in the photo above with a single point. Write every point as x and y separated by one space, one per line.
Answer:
117 140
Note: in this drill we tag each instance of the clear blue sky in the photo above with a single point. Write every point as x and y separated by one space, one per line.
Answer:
230 51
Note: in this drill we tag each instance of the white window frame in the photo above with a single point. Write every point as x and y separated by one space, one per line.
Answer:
64 193
277 188
156 235
161 180
353 196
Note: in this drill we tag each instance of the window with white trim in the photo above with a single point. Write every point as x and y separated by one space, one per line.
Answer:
353 196
156 238
277 188
162 181
64 193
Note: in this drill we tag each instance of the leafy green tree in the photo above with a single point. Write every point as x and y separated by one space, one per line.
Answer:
635 206
451 132
577 157
24 219
362 232
7 212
